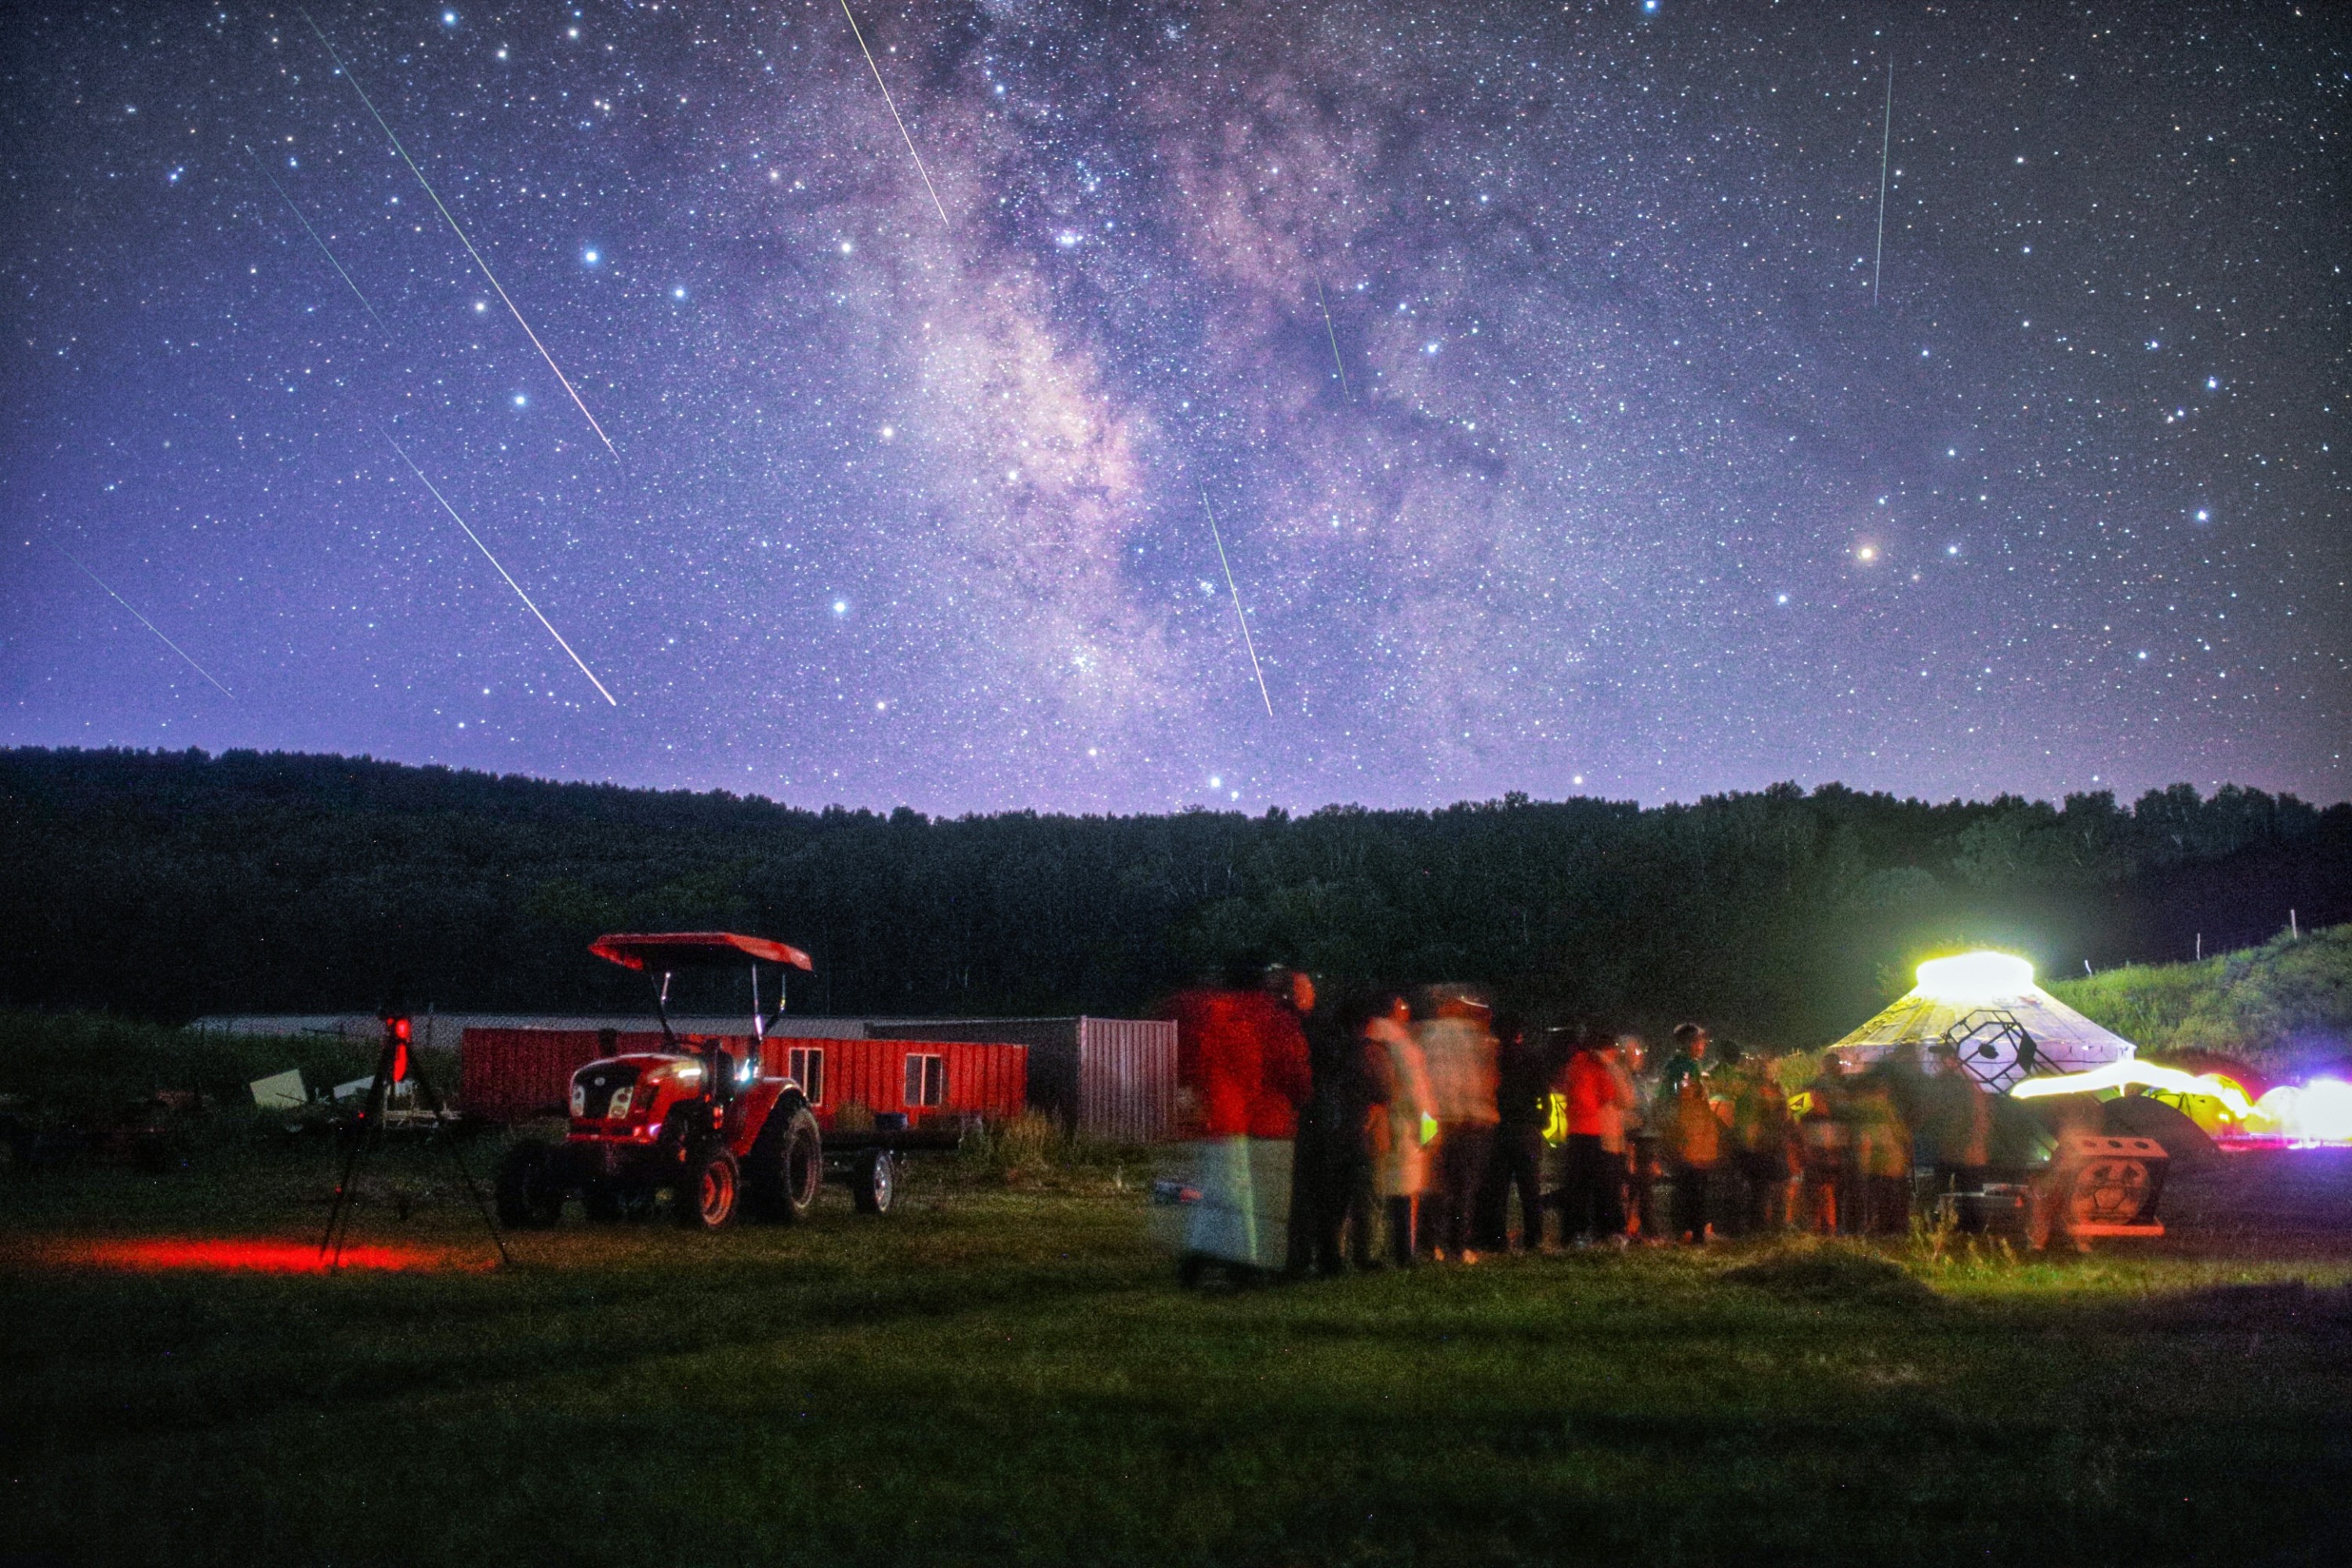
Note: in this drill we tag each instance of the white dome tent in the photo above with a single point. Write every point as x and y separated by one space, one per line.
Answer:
1986 1005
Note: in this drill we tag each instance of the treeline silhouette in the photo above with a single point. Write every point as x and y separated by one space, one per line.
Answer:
163 885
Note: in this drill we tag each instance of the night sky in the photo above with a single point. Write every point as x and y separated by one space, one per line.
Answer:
1563 429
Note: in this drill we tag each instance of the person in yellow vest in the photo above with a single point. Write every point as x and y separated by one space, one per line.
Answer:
1458 1048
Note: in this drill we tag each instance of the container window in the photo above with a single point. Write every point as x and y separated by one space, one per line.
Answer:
806 1064
927 1079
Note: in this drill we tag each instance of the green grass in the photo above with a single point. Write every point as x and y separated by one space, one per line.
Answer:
1010 1376
2284 1007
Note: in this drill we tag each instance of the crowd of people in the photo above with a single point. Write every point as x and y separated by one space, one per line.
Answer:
1428 1126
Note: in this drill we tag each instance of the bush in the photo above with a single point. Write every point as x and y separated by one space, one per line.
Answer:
1033 1150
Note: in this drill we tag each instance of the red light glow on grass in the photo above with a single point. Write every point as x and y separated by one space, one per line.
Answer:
160 1254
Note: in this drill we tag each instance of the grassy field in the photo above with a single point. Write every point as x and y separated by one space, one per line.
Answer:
997 1376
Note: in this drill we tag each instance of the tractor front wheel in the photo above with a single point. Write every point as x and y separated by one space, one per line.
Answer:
528 1195
877 1182
707 1196
786 1165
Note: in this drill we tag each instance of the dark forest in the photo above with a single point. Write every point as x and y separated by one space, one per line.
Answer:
164 885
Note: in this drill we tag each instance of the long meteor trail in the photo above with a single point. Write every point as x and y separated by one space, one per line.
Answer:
887 99
460 231
1886 142
313 232
502 571
1247 641
1334 336
143 621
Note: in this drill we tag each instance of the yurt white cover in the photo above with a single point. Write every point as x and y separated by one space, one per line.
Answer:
1980 1002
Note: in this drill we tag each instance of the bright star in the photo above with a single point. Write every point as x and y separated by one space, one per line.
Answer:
590 258
840 606
520 400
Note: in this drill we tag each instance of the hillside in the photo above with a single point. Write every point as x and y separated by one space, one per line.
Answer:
164 885
2284 1007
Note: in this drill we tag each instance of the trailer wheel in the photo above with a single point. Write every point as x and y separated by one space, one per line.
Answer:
877 1182
528 1197
786 1165
707 1195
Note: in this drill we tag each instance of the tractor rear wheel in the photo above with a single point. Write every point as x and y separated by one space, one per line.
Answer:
707 1198
528 1195
876 1186
786 1165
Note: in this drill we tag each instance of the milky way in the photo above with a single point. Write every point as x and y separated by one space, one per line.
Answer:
1527 357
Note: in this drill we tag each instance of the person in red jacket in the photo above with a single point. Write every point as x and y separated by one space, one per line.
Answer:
1597 1100
1241 1074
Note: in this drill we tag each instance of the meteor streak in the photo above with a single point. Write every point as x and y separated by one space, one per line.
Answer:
501 571
1333 336
143 621
887 99
1246 640
314 235
456 229
1885 141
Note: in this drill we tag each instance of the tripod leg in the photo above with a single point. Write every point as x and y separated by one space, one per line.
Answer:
342 1196
339 1218
441 1130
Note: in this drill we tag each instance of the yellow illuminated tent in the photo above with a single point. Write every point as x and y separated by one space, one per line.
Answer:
1987 1006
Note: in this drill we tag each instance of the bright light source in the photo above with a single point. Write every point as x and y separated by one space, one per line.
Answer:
1973 978
2151 1075
2320 1111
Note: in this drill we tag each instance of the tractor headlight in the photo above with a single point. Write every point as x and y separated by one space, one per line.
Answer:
579 1100
619 1110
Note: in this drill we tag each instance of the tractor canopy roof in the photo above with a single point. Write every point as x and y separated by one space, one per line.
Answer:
692 949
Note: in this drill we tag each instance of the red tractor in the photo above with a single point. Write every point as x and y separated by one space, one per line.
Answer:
697 1119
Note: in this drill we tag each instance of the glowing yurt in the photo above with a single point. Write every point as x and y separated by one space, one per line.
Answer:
1986 1006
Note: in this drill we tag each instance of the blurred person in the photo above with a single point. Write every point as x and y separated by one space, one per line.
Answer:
1599 1091
1763 1145
1641 1156
1826 1145
1954 1131
1523 1071
1399 1137
1241 1068
1689 1131
1346 1090
1289 1078
1458 1050
1882 1156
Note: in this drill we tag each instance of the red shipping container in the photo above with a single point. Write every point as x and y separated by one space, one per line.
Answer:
510 1075
927 1080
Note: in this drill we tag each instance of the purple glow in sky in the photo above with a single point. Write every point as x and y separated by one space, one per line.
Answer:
1527 355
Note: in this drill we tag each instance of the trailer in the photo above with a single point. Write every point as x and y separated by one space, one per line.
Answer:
721 1124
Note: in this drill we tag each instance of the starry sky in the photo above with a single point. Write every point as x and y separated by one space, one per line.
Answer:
1567 417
